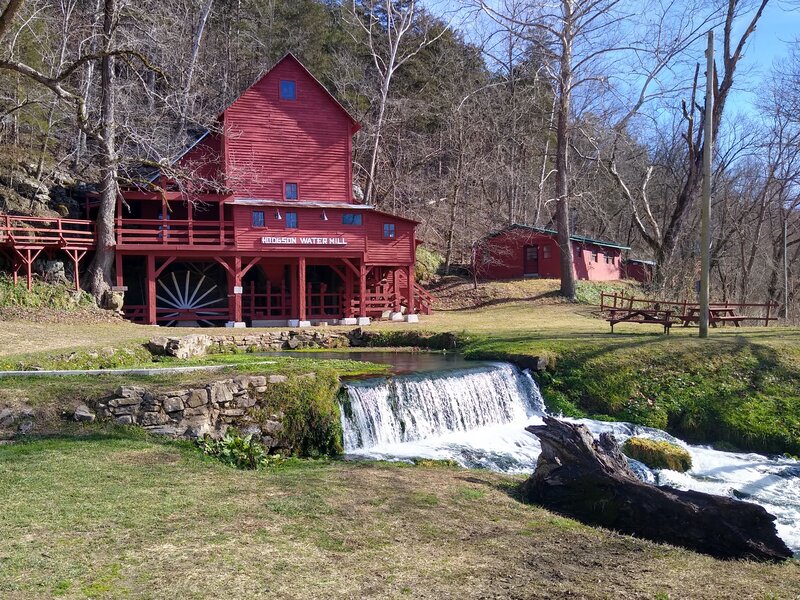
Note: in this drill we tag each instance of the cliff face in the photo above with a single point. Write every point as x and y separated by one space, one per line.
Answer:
27 189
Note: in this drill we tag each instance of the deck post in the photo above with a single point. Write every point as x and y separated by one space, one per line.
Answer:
237 286
396 290
362 289
412 309
151 289
301 288
348 293
294 295
118 269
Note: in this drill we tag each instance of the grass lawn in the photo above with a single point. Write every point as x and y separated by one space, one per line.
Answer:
739 388
127 517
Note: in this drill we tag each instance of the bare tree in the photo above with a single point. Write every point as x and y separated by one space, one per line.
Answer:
394 32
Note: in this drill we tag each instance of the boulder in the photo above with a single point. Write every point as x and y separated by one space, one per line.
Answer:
657 454
7 417
590 480
184 347
84 414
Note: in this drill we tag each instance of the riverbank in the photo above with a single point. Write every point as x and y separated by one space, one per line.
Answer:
128 516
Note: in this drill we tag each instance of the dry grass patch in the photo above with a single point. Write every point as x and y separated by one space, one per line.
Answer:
117 518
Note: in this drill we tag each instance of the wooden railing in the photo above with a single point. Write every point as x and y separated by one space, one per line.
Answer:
424 299
275 303
174 233
323 303
685 310
42 231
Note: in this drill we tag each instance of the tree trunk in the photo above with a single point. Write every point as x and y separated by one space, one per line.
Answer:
98 277
562 157
591 481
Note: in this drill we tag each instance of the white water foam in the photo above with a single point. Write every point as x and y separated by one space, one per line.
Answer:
477 417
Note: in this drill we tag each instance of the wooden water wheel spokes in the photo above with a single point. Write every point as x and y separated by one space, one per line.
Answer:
189 290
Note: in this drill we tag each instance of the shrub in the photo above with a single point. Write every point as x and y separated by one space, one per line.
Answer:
428 263
238 451
657 454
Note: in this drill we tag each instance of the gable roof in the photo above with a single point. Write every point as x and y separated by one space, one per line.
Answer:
291 57
574 238
151 174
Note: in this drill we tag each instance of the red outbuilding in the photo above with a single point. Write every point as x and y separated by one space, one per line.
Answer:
524 251
284 242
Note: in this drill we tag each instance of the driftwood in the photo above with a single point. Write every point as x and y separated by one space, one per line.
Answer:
591 481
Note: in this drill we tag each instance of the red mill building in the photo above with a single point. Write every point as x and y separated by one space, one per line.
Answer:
285 243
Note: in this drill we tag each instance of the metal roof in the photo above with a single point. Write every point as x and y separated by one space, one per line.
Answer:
574 238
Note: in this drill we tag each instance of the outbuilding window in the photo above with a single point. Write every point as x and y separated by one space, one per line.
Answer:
288 89
291 220
351 219
258 218
595 257
609 259
546 253
290 190
388 230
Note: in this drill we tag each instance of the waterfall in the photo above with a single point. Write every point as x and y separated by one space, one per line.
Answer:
405 408
477 417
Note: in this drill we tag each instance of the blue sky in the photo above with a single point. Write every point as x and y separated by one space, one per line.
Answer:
778 27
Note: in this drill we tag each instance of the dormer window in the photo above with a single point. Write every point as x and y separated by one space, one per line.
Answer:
290 190
288 89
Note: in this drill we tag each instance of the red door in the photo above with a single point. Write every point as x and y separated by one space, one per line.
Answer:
531 260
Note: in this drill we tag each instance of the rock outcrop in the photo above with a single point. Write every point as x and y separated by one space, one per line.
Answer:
590 480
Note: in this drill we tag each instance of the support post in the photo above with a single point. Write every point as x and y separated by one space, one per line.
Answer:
29 269
396 290
301 288
151 289
708 145
362 288
348 293
412 309
118 269
293 292
237 286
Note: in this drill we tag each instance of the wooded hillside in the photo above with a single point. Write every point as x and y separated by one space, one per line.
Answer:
579 115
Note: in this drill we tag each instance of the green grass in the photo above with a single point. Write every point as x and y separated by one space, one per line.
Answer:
131 517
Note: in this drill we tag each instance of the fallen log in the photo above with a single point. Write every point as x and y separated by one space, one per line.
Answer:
590 480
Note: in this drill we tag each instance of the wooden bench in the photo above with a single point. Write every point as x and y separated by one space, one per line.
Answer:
641 316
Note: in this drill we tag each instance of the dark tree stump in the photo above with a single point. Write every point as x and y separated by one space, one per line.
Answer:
591 481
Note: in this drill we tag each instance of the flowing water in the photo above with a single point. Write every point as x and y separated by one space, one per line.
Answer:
477 416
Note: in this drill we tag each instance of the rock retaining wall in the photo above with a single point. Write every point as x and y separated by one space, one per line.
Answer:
189 346
197 411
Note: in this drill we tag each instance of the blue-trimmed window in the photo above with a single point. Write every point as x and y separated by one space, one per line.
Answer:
291 220
351 219
290 190
388 231
288 89
258 218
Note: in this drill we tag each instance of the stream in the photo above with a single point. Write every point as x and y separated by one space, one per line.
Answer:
475 413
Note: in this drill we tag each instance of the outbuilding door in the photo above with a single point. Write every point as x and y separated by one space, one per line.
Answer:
531 260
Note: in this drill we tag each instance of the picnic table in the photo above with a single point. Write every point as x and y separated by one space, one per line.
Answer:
642 316
716 314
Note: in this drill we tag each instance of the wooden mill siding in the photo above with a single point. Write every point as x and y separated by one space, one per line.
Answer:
269 141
